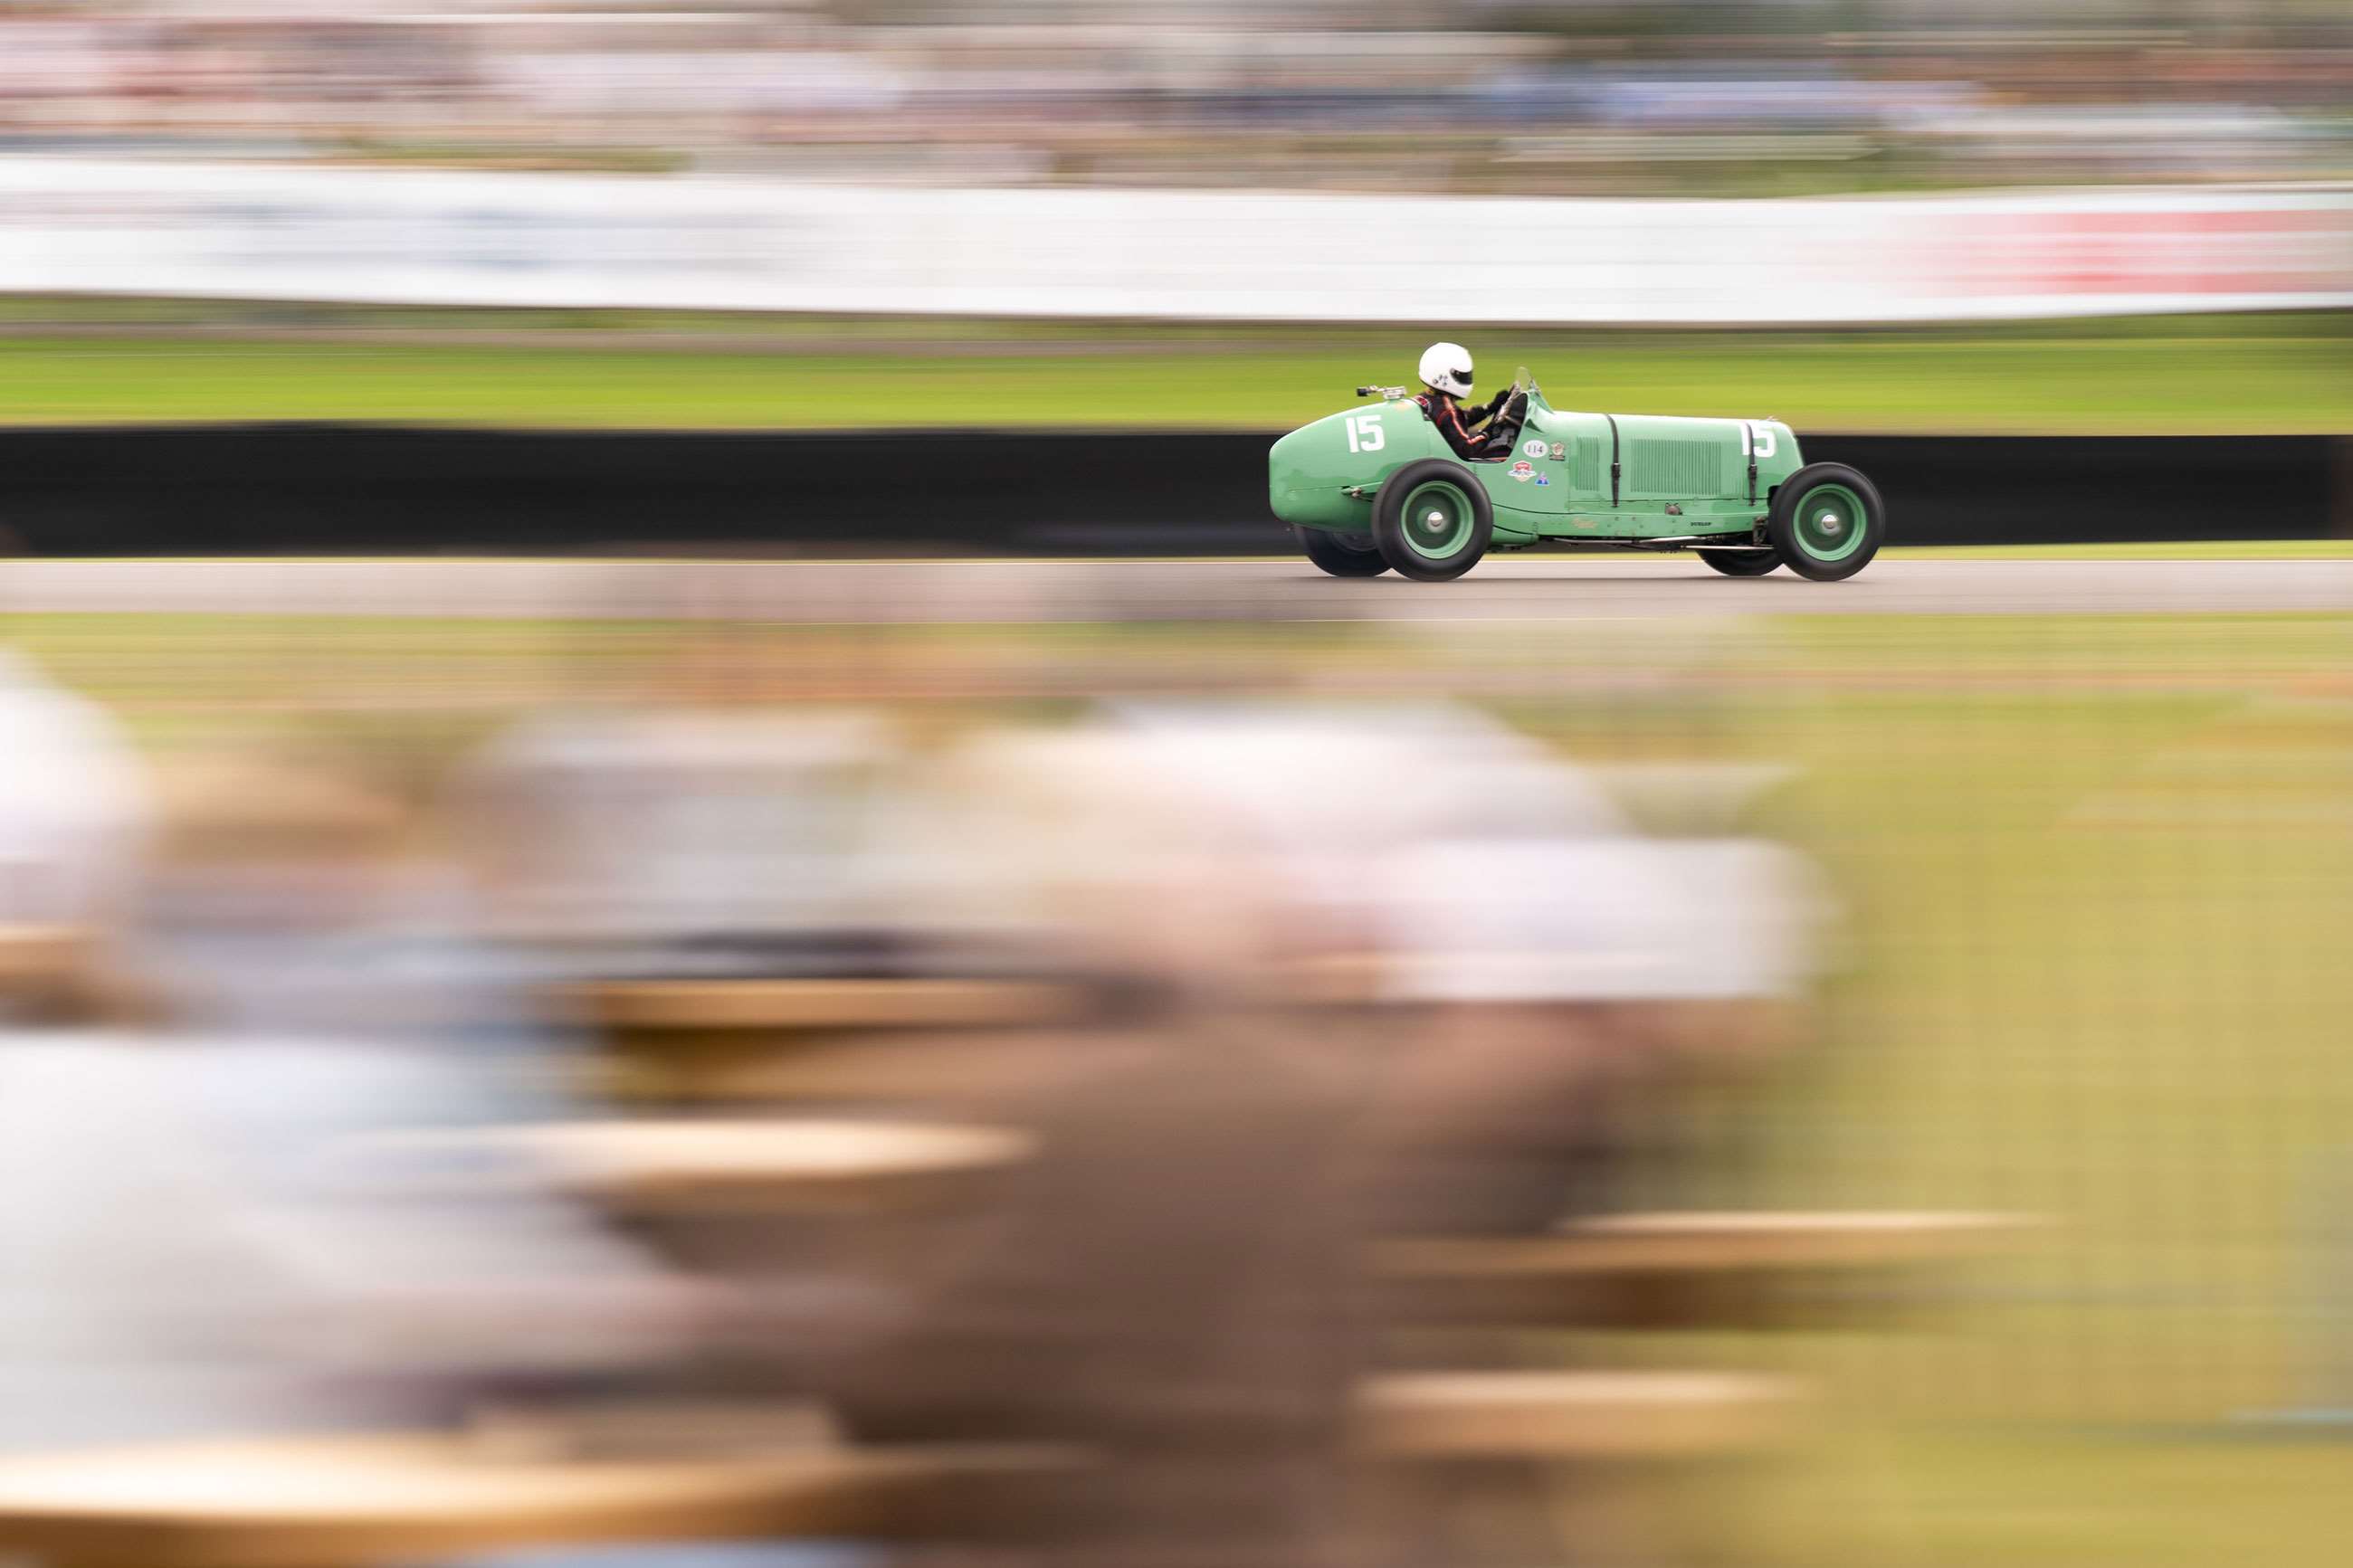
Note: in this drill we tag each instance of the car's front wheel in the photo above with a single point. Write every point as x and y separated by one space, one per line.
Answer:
1743 562
1827 522
1433 520
1341 555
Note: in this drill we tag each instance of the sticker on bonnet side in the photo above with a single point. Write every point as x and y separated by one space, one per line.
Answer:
1523 470
1535 447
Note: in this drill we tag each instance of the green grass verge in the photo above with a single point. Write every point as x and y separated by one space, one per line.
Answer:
2199 375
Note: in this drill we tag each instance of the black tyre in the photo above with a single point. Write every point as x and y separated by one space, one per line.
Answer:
1827 522
1341 555
1433 520
1743 562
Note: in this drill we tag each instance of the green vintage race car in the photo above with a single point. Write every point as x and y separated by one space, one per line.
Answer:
1372 489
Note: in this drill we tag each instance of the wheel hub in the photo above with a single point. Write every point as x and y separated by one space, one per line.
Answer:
1436 520
1832 522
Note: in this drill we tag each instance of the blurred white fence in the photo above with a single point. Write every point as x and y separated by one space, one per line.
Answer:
439 237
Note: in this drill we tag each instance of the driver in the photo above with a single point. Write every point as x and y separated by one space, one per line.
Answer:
1446 371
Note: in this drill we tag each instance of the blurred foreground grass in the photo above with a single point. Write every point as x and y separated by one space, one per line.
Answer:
103 362
2099 876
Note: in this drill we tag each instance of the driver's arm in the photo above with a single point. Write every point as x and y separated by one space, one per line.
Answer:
1454 422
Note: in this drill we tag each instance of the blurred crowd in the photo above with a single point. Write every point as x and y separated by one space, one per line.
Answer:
1702 97
1333 971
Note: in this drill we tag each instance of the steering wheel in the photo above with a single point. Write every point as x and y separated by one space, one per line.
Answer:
1514 409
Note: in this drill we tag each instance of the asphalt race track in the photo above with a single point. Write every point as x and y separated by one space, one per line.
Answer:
1549 588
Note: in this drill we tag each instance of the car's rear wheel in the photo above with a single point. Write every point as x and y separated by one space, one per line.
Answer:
1433 520
1827 522
1341 555
1743 562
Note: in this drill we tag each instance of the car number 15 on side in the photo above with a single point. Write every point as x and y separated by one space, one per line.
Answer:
1365 433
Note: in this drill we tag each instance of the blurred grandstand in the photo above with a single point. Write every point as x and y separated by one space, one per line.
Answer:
1562 98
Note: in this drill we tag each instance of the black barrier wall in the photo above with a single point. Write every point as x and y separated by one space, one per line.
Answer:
322 488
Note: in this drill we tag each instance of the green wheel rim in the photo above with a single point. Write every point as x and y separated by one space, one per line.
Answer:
1437 521
1830 522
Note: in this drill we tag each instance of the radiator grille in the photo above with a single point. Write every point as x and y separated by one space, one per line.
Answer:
1675 468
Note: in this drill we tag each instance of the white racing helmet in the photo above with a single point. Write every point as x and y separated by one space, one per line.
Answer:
1446 367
